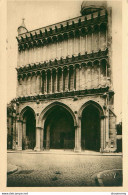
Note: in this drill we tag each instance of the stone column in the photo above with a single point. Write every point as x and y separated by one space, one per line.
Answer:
62 80
92 75
24 134
56 80
19 126
41 83
102 133
92 41
29 85
86 47
99 75
106 37
41 138
14 132
74 79
68 79
99 38
38 84
46 87
51 81
78 136
80 49
24 86
107 127
48 138
79 76
106 74
38 130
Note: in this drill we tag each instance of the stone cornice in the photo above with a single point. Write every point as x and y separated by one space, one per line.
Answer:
86 92
86 58
54 33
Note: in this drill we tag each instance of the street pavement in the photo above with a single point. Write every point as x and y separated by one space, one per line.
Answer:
52 169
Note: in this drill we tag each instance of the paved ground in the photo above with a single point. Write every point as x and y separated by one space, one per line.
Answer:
45 169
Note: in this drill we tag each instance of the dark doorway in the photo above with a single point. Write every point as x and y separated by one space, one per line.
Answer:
61 129
90 135
29 136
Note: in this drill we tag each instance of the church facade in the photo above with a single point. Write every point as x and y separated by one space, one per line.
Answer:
64 84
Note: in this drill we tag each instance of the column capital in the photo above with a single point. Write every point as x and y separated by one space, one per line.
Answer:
102 116
38 127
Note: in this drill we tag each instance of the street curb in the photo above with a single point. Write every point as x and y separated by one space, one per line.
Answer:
68 153
14 169
99 176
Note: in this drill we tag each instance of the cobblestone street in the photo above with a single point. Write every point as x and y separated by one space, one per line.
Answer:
52 169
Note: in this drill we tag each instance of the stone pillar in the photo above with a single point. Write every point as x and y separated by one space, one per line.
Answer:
48 138
56 80
92 41
79 76
99 80
68 79
51 81
38 130
41 138
31 85
24 86
41 83
86 46
38 84
24 134
106 37
106 75
92 75
14 132
80 49
46 82
19 126
99 38
74 78
107 128
78 136
62 80
86 73
102 133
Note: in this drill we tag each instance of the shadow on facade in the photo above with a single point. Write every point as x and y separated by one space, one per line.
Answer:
59 130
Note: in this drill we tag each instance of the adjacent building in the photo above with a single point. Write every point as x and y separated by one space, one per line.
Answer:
64 84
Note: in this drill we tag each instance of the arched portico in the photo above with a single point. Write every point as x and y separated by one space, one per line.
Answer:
26 129
91 120
58 124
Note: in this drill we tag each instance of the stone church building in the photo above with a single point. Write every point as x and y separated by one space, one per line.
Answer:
64 84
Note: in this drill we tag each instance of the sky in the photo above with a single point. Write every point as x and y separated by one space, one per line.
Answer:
42 13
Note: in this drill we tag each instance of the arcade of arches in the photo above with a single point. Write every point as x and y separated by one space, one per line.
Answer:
60 131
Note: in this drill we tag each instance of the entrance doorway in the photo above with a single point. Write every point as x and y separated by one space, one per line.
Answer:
29 130
90 135
59 130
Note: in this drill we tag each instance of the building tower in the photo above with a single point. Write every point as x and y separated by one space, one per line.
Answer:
64 84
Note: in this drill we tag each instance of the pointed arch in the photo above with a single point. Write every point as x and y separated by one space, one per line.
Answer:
24 110
91 102
50 107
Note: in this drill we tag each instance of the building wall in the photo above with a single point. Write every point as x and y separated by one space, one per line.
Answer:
70 69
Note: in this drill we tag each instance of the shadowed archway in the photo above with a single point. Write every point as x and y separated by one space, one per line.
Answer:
59 130
29 129
91 113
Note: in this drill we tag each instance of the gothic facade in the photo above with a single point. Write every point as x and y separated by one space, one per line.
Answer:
64 84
